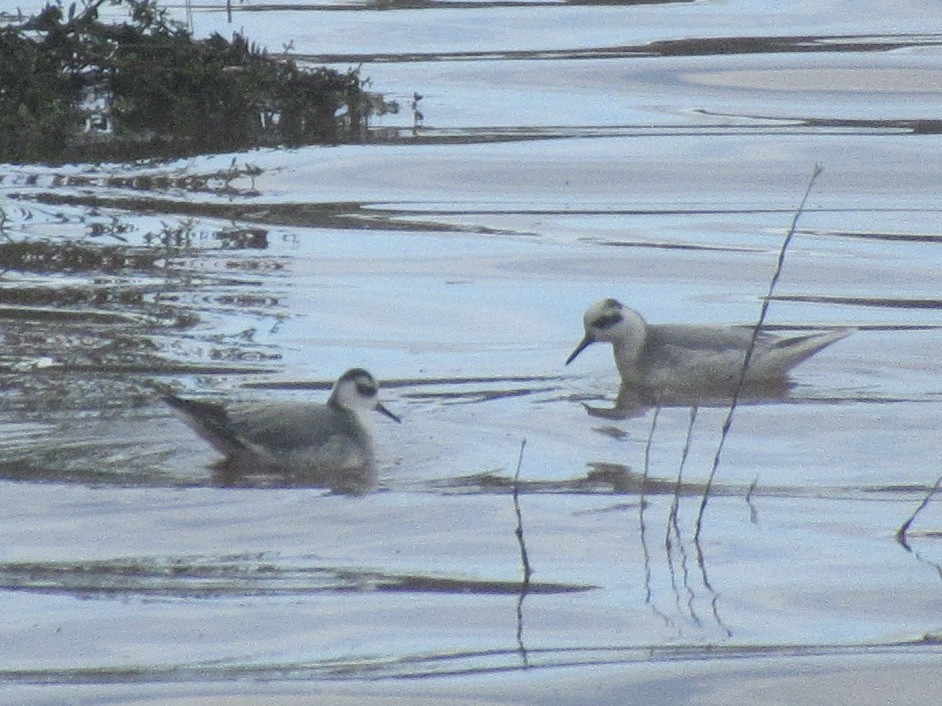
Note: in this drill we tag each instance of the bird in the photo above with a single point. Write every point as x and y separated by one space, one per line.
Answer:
325 445
657 361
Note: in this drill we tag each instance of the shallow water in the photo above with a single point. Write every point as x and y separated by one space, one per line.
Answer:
568 152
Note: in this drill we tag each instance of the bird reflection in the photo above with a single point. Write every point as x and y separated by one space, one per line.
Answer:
633 402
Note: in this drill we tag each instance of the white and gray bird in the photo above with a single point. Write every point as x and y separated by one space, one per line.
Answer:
657 360
325 445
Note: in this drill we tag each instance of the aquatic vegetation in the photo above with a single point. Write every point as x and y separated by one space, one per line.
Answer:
75 88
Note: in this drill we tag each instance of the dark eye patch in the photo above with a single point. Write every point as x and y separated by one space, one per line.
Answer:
366 389
607 320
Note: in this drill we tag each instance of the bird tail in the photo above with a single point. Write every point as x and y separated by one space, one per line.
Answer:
792 351
209 420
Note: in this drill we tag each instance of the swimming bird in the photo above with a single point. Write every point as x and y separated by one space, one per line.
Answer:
657 360
317 444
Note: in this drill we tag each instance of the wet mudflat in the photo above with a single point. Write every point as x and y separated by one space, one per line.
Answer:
654 153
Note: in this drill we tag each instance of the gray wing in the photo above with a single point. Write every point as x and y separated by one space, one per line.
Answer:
717 353
286 426
675 339
677 356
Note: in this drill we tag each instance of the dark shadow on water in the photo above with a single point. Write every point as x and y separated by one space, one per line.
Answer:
525 567
601 479
605 478
233 473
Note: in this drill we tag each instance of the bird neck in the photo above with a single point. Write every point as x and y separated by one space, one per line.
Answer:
628 345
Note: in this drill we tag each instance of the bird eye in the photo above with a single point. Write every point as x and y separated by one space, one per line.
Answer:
366 389
607 321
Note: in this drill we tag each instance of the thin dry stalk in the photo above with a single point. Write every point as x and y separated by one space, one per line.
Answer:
728 422
904 528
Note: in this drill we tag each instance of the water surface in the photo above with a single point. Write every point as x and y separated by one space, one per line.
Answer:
566 152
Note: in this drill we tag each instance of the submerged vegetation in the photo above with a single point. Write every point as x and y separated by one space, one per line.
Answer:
73 87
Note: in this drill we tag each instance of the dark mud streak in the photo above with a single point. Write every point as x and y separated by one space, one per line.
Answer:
706 46
458 663
340 215
478 396
615 480
672 246
771 127
933 238
392 5
914 126
412 382
238 577
377 216
881 303
163 368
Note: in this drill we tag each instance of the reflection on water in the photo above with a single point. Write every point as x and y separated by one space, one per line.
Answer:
81 304
632 402
622 147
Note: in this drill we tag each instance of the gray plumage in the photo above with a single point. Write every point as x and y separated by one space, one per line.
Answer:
663 359
317 444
